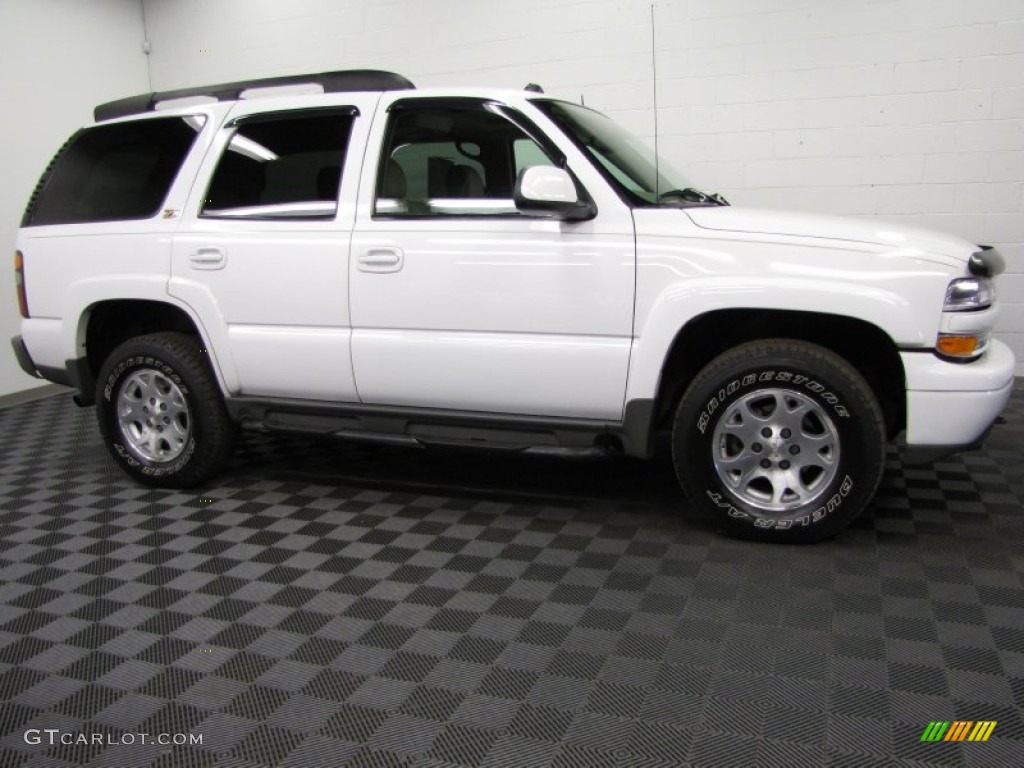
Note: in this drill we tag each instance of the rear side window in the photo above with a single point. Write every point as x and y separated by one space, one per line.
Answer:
114 172
281 166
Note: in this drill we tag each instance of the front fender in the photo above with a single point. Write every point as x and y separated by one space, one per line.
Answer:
892 308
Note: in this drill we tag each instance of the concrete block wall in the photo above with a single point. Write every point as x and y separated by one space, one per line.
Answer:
907 110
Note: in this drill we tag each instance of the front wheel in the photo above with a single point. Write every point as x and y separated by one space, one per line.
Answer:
161 412
779 440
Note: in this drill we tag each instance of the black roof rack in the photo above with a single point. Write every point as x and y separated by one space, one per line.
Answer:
332 82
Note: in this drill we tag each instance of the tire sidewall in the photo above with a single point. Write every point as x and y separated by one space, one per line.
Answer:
854 415
112 379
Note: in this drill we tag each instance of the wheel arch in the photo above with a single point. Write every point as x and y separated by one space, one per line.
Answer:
864 345
108 323
161 411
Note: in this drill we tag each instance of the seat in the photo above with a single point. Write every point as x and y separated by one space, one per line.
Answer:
464 181
392 191
393 182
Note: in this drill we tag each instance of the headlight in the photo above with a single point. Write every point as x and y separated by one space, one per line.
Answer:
969 293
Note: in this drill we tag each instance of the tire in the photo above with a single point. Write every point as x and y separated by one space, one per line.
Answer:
183 434
779 440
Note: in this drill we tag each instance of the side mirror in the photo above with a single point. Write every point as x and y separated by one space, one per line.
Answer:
544 190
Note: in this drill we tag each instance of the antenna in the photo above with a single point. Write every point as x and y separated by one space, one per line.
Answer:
654 89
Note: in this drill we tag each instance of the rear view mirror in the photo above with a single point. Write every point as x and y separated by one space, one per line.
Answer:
544 190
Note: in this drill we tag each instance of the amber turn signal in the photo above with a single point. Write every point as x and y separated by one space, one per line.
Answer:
19 283
960 345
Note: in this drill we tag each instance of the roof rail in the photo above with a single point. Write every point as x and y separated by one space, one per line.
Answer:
332 82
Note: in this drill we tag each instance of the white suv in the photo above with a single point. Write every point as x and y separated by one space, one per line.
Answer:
343 254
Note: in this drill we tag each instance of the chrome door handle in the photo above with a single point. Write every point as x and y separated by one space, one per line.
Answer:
208 257
380 260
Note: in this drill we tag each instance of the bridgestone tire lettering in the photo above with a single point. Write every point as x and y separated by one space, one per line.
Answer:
784 376
757 371
211 438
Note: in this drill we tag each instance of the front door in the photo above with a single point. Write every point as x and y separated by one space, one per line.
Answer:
459 301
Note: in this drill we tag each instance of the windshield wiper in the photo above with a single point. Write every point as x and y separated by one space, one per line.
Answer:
693 195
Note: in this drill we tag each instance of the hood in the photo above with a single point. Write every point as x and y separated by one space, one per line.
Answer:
764 221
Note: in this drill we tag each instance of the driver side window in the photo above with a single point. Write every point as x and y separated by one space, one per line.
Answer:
452 161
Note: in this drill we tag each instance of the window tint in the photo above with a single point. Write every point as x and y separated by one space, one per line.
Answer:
287 166
528 154
111 172
626 161
459 160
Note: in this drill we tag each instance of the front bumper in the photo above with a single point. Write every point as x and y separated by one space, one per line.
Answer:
952 406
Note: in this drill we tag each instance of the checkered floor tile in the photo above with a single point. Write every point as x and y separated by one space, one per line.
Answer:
324 604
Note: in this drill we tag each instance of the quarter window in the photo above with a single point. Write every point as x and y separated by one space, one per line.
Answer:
280 166
114 172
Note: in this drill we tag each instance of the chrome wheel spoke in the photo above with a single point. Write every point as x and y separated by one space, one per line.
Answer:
781 489
739 470
776 449
745 427
149 445
153 416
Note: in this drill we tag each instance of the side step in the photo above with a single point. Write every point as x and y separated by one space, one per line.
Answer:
414 427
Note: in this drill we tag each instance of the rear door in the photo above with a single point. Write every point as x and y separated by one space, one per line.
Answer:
262 251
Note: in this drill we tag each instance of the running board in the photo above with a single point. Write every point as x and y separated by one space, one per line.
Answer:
419 427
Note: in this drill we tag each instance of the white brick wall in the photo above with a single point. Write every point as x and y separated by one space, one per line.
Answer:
911 110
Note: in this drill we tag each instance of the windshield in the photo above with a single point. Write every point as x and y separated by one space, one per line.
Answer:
625 160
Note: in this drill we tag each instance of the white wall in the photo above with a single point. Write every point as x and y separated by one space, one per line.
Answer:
910 110
60 58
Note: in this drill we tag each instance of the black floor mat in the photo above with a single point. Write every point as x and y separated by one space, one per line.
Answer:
324 604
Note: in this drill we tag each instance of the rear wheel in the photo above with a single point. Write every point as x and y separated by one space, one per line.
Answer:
780 440
161 412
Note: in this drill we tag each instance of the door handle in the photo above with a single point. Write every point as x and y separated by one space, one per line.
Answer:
208 257
383 259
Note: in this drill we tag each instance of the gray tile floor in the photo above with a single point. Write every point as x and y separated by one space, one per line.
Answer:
324 604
